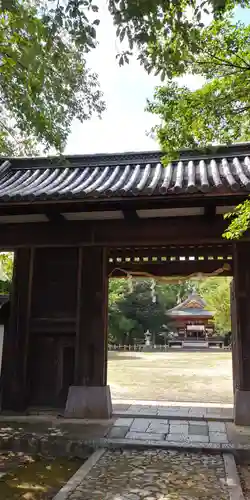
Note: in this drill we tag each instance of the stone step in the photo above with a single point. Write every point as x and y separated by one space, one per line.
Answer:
175 415
138 444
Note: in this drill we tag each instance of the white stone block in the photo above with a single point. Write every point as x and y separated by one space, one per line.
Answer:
140 424
123 422
217 427
217 437
145 436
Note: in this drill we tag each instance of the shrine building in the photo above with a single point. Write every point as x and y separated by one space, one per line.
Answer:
191 320
74 223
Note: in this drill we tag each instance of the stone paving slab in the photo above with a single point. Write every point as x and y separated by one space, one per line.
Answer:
169 430
123 422
218 437
198 422
143 402
69 437
140 424
173 410
178 422
183 438
153 475
201 430
144 436
178 429
159 426
217 427
141 444
118 432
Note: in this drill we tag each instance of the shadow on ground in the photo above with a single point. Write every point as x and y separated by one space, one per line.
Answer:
33 477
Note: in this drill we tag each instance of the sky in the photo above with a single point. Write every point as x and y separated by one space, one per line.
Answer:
124 124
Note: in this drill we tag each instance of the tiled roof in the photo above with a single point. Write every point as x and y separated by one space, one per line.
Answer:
131 174
191 312
192 298
187 307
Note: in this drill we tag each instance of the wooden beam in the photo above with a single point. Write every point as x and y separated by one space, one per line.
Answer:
241 334
134 203
92 316
210 212
171 251
15 385
55 216
185 231
130 215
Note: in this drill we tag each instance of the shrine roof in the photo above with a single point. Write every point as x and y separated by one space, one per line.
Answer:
220 170
193 306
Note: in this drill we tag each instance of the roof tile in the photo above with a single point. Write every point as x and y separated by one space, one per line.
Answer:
138 174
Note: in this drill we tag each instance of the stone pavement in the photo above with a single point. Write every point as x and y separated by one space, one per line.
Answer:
174 431
134 424
173 410
63 437
152 475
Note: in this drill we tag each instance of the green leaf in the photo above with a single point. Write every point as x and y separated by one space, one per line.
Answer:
44 81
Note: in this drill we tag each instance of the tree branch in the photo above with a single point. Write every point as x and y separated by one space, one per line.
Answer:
224 62
240 110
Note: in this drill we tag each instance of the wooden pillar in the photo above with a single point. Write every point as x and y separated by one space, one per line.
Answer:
241 332
15 349
92 315
90 396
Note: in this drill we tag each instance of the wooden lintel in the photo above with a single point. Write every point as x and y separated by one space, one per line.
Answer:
134 203
169 231
130 215
54 216
210 212
167 252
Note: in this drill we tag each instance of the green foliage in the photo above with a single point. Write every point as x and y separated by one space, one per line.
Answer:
119 325
6 271
139 305
44 80
133 312
164 32
240 221
216 293
45 83
218 112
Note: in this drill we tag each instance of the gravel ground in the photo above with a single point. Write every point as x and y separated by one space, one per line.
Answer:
244 473
172 376
154 475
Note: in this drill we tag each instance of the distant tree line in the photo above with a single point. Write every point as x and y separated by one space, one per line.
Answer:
134 310
138 305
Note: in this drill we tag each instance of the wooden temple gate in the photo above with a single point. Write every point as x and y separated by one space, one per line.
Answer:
76 224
